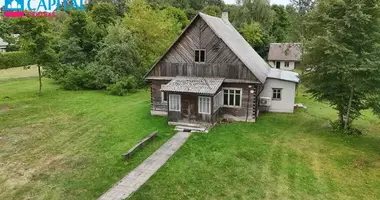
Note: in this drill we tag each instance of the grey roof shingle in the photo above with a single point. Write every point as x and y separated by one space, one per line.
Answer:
243 50
198 85
285 52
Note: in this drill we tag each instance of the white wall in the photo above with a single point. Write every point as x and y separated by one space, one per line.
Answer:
282 65
286 104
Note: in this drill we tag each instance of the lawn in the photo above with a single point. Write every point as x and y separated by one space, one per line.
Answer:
67 145
282 156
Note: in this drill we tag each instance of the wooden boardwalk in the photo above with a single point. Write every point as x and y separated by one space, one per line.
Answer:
136 178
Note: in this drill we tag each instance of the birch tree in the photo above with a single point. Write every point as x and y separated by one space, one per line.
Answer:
343 52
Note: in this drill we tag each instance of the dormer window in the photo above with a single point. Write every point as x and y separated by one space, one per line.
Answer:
200 56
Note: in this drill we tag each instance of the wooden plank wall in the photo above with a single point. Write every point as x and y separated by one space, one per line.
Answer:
220 60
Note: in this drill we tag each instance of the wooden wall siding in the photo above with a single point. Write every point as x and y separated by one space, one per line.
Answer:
250 105
225 70
220 60
156 101
195 117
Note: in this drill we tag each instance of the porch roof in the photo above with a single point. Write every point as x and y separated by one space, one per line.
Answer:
198 85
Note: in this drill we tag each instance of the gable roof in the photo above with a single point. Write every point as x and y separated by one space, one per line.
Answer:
285 52
225 31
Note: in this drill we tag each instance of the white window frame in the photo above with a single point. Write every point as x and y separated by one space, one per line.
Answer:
241 97
287 64
277 91
200 103
218 100
199 51
163 97
173 99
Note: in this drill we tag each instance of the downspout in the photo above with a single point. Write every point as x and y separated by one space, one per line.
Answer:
249 95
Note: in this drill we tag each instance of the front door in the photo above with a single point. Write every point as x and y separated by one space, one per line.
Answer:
278 65
189 108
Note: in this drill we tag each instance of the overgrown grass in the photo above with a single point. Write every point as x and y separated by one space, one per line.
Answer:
67 145
282 156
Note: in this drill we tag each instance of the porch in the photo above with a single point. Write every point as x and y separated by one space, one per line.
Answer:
194 101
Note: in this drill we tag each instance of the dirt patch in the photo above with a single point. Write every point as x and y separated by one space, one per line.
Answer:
4 108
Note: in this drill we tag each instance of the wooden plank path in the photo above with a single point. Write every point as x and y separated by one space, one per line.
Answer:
137 177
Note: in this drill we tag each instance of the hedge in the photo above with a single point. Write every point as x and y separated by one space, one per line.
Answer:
15 59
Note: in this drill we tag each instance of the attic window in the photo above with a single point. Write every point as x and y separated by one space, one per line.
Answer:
200 56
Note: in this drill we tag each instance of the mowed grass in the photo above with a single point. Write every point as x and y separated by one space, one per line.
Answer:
282 156
68 144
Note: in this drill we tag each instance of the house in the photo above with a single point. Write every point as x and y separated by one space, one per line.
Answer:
285 56
212 73
3 45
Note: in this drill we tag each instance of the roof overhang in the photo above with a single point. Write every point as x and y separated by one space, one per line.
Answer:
196 85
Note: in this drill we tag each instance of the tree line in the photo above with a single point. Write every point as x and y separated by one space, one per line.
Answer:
112 44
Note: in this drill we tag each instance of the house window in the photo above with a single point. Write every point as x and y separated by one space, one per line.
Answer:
164 96
204 105
232 97
276 94
200 56
174 102
286 64
218 100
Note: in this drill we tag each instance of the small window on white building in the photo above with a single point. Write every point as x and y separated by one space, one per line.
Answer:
286 64
278 64
276 94
174 102
200 56
204 105
232 97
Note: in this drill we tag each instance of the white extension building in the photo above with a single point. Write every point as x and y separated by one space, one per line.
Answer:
279 91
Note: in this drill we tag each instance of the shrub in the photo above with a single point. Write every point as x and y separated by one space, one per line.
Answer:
123 86
15 59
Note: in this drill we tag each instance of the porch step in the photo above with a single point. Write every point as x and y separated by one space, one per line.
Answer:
190 129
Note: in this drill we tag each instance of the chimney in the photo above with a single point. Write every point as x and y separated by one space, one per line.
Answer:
225 16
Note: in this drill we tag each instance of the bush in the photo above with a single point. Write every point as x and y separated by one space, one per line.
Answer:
15 59
123 86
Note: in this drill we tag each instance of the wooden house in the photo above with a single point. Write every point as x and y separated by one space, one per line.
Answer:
209 73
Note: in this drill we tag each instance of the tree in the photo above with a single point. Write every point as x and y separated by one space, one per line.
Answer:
213 10
256 37
104 14
177 14
281 24
36 41
79 40
343 53
154 30
255 11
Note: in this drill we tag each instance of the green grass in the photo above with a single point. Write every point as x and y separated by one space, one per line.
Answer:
282 156
67 145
